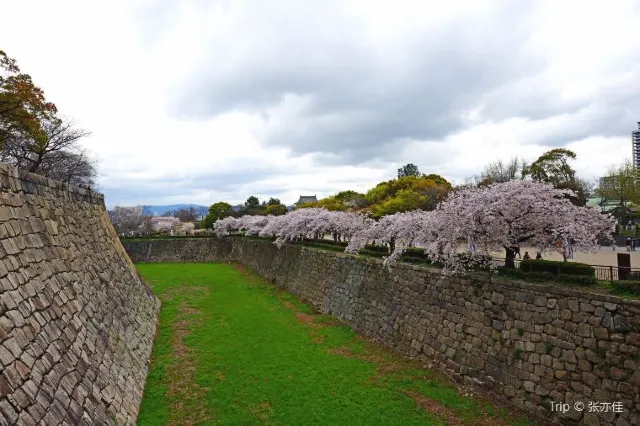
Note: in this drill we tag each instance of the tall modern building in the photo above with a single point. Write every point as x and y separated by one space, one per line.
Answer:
635 140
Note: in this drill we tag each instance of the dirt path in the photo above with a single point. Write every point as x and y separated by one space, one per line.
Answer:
187 406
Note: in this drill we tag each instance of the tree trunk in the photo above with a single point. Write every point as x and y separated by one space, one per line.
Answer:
509 260
392 245
335 237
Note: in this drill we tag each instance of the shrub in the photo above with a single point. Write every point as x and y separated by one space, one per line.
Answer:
372 253
545 276
323 246
564 268
581 280
628 286
377 249
342 244
415 252
627 232
415 255
529 276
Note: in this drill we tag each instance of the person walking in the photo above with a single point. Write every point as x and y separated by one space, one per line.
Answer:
517 250
526 256
628 244
538 256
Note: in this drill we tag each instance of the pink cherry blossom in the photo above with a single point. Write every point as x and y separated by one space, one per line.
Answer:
226 226
164 223
508 214
486 219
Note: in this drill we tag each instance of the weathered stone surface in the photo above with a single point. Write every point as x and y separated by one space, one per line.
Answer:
76 309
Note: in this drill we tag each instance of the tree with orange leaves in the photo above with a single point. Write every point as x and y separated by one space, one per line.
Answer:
23 107
32 135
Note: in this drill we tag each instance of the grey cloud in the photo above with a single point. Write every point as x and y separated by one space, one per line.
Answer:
608 112
155 192
363 98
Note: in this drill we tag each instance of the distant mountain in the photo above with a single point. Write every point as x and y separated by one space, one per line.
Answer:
160 210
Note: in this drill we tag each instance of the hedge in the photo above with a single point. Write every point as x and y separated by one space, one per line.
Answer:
629 286
342 244
164 237
545 276
324 247
377 249
415 253
557 268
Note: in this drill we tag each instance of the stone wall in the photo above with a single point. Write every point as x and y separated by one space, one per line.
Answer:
531 344
76 322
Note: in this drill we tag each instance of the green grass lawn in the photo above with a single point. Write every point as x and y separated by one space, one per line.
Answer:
233 349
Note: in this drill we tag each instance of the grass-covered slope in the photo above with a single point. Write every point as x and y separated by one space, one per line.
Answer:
232 349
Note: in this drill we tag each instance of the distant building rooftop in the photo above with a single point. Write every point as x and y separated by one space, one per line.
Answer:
307 199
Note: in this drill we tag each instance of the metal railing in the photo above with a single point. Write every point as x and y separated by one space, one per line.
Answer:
602 272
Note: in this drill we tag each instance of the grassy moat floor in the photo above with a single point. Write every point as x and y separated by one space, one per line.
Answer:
233 349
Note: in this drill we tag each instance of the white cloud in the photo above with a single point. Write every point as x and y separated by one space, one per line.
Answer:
194 101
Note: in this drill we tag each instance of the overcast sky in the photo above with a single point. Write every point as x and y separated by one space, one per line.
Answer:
199 101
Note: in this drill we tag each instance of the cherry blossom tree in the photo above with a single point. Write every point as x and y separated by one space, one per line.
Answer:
313 223
505 215
164 223
222 227
400 231
310 223
185 228
487 219
274 226
252 225
348 224
247 225
395 230
130 221
300 224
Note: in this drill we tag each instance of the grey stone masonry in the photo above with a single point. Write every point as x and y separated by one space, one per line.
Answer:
534 345
76 321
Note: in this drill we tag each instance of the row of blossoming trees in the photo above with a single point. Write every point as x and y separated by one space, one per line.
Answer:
131 221
487 219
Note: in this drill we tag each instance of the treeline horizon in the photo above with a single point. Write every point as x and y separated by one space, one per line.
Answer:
414 190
